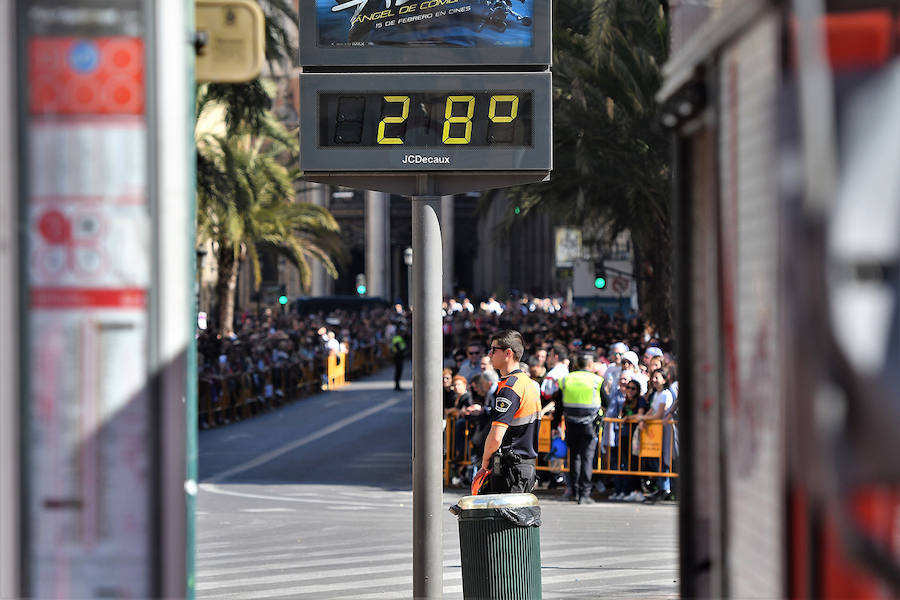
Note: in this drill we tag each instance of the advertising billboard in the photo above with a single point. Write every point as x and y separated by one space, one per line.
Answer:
424 32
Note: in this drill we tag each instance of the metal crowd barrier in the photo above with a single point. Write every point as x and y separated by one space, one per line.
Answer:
336 369
658 442
658 446
226 398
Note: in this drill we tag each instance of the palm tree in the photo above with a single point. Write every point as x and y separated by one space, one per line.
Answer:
611 157
245 193
245 205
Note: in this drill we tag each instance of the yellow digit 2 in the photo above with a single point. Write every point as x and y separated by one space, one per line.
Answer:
397 119
449 119
513 112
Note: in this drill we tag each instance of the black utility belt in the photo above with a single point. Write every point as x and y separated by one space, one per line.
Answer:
508 459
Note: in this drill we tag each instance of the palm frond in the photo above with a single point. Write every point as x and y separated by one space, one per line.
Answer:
281 31
611 170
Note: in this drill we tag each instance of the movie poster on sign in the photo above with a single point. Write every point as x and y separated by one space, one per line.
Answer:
425 23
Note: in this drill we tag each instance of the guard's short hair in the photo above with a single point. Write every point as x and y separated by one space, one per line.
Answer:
512 339
560 351
580 361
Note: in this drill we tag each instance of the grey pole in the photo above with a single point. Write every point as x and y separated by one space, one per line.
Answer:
427 346
377 240
174 359
408 261
320 284
10 289
447 234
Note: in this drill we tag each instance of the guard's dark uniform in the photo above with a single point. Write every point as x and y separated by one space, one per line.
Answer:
581 405
518 408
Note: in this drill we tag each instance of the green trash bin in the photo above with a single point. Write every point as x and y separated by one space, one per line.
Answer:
500 546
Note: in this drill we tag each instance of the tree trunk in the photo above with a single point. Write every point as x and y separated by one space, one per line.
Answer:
662 293
654 271
225 290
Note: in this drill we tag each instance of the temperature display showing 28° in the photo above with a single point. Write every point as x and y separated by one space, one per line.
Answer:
455 119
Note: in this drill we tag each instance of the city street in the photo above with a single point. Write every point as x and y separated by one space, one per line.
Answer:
651 208
314 500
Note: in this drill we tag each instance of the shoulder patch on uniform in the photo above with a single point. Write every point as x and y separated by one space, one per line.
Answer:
502 405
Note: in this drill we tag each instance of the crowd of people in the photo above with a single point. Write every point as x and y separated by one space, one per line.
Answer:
270 350
271 338
639 381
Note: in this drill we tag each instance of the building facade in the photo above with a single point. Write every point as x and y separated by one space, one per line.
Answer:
782 113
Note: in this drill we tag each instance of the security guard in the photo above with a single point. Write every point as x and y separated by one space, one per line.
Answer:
398 348
581 405
510 450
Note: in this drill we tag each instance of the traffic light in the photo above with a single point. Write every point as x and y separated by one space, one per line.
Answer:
282 295
361 284
600 280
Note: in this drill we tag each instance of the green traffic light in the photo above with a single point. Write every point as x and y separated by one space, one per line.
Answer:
518 210
600 283
361 289
282 300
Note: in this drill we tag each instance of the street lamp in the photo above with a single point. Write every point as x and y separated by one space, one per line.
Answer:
407 260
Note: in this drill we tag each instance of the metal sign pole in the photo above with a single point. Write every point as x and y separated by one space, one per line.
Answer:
10 318
427 347
173 313
500 135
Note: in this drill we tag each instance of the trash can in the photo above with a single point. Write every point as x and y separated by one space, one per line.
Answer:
500 546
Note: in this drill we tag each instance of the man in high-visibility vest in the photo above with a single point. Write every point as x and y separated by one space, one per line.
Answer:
398 348
580 407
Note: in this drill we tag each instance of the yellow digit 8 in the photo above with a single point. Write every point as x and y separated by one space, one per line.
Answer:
449 119
385 121
513 113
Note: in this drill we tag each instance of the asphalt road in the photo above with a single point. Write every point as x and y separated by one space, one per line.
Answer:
314 500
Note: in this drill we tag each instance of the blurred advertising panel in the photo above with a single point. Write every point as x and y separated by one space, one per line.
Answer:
88 274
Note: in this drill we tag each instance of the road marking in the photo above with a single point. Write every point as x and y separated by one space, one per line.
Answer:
208 487
372 571
267 551
668 588
301 559
298 559
267 510
665 579
273 454
250 554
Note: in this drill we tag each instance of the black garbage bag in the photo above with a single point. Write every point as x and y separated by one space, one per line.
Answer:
525 516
